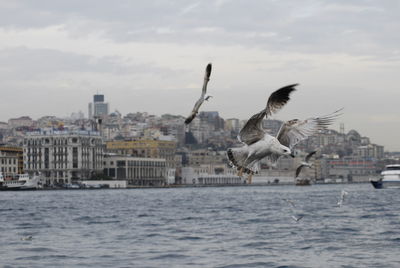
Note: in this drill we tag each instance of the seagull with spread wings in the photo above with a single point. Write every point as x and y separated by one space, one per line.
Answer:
258 144
305 163
202 98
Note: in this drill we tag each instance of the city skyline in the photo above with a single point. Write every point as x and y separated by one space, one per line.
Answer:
149 56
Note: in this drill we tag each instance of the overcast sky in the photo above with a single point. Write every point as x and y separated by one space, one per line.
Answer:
150 56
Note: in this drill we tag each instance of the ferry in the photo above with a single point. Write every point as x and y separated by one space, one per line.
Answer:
390 178
19 182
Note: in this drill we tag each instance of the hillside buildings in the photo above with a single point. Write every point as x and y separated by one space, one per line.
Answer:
152 150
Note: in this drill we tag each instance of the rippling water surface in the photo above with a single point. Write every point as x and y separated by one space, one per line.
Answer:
201 227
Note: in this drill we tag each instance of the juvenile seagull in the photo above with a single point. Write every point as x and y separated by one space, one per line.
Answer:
257 144
202 98
305 163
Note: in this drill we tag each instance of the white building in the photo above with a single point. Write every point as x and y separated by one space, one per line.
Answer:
63 156
137 171
200 176
23 121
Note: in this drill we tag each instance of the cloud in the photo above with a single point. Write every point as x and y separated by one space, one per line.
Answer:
150 55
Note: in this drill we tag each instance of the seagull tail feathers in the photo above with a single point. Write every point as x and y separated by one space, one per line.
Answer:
237 158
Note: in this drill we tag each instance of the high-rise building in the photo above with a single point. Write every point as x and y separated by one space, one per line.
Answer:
98 108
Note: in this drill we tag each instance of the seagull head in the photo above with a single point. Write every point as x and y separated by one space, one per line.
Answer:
286 151
280 149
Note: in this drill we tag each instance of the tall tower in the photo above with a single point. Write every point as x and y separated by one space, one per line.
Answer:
99 108
341 128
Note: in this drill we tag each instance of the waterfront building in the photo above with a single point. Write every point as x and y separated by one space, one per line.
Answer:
351 169
145 148
98 108
200 176
11 160
136 170
63 156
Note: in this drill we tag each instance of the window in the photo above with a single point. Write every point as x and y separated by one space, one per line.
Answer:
75 157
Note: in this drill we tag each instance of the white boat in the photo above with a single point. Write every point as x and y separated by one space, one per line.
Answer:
19 182
390 178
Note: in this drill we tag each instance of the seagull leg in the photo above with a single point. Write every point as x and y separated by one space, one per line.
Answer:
250 178
240 173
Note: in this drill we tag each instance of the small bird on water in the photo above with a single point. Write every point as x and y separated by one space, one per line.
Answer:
27 238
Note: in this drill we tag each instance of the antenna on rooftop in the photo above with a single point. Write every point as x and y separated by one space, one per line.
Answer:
341 128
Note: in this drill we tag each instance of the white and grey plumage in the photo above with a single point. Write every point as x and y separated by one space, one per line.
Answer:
342 196
258 144
305 163
297 218
203 96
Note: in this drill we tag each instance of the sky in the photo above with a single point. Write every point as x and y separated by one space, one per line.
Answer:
150 56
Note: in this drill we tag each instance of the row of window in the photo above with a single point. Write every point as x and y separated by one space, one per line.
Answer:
10 161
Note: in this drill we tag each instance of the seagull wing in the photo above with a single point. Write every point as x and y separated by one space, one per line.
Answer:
203 93
294 131
195 110
206 79
310 155
298 170
252 130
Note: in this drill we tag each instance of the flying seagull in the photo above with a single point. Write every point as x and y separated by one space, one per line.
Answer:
342 196
297 218
305 163
258 144
202 98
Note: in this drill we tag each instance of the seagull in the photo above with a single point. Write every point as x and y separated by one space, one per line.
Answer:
342 196
297 218
258 144
27 238
305 163
203 96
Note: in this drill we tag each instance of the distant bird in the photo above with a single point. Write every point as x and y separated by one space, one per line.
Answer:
27 238
257 144
305 163
342 197
297 218
203 96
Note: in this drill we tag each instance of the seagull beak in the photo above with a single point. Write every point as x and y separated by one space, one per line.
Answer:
292 154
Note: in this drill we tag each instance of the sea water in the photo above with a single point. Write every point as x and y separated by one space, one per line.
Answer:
244 226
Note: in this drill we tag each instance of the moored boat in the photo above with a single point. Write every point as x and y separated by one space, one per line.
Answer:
390 178
19 182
